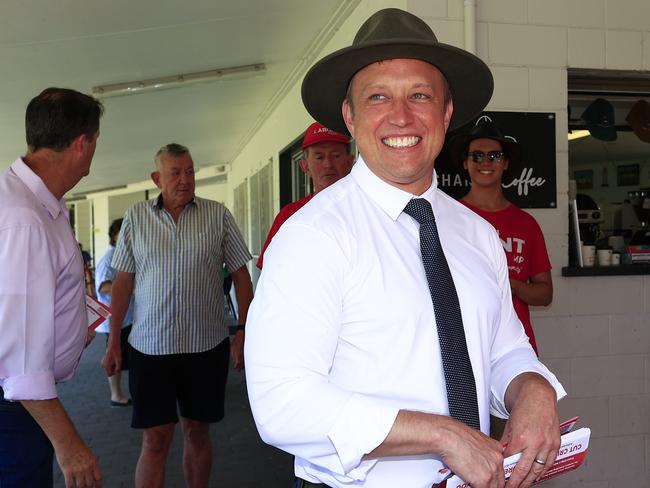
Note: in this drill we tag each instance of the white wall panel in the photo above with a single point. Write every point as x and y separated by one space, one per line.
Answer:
526 45
623 50
545 86
586 48
510 88
580 13
514 11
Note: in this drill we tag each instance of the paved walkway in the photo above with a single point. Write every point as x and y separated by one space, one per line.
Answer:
241 459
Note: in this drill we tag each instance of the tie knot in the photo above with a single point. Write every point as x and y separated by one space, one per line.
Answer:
420 210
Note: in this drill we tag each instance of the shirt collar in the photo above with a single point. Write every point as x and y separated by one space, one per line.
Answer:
390 199
158 202
38 188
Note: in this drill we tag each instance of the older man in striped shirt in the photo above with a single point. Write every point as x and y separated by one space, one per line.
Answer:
175 248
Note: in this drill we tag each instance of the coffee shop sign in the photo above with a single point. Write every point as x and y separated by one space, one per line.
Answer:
523 182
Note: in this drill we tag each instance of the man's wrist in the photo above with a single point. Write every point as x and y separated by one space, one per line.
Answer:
240 327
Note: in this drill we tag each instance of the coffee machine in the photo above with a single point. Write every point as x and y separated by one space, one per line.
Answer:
640 202
590 217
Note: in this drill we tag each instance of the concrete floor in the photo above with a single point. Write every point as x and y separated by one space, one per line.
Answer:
241 459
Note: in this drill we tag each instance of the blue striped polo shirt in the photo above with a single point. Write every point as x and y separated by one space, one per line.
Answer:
179 300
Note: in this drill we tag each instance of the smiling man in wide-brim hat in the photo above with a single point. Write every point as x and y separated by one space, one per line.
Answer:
398 44
394 34
361 385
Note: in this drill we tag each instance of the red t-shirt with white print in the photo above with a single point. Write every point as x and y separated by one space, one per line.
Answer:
525 249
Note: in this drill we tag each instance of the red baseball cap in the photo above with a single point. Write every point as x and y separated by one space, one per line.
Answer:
319 133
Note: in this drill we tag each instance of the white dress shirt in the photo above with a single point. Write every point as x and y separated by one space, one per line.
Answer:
42 306
341 334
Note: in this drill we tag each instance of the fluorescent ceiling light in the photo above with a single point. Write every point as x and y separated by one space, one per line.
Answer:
578 134
165 82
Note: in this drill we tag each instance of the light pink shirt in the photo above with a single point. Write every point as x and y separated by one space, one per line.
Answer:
42 304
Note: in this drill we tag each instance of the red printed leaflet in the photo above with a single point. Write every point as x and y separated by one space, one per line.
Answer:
96 312
572 453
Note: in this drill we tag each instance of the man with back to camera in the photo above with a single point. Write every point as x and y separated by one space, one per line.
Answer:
175 247
325 159
43 322
377 387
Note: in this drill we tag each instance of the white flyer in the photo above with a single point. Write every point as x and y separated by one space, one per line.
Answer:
572 453
97 312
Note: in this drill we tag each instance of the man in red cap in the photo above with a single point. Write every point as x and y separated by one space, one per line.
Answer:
325 159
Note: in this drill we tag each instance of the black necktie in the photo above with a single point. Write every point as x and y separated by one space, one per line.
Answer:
459 378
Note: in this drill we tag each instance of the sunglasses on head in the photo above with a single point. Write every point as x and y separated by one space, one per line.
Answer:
493 156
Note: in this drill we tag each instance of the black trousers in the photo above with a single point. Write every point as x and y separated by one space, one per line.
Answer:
26 454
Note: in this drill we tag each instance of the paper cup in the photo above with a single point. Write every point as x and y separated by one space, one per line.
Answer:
604 257
588 255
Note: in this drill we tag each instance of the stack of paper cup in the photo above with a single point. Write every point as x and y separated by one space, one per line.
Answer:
588 255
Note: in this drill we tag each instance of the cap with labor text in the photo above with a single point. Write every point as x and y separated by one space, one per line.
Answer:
316 133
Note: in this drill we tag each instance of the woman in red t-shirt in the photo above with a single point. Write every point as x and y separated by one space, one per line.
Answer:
486 154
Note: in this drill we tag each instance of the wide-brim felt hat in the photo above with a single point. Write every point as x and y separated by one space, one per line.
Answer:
484 128
395 34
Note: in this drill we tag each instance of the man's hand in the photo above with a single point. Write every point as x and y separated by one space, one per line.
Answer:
112 360
533 428
78 464
90 335
121 291
237 350
472 455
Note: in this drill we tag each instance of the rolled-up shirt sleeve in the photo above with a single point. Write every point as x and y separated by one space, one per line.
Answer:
27 293
292 337
511 352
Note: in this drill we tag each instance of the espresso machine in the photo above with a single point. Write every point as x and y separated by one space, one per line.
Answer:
640 202
590 218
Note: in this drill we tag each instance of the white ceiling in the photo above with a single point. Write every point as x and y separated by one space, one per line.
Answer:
84 43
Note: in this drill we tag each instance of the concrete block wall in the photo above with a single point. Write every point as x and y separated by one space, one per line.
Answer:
596 334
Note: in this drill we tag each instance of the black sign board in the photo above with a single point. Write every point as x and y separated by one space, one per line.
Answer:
529 184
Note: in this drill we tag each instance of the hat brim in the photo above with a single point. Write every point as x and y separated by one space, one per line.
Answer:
458 144
326 83
602 133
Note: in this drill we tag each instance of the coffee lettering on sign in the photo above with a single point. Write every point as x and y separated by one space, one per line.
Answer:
525 181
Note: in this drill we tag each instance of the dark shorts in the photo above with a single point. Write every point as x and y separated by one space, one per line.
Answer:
26 453
124 346
196 382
